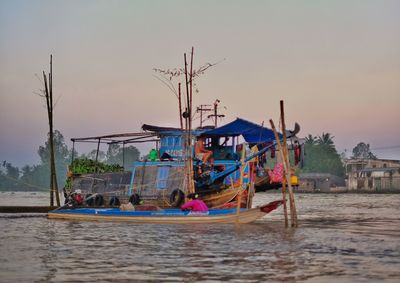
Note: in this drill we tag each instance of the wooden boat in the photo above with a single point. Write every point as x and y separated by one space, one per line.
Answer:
166 216
162 181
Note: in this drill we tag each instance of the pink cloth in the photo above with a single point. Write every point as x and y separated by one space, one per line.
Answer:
276 175
195 205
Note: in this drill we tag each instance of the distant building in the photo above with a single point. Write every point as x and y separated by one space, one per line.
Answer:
375 175
320 182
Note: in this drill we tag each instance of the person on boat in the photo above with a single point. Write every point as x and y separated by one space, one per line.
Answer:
153 154
195 204
276 174
166 157
201 153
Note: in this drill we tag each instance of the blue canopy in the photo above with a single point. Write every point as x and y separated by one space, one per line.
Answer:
251 132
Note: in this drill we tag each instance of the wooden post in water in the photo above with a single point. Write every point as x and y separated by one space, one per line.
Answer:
293 213
278 143
49 103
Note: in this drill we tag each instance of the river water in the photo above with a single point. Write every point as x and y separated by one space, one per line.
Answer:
341 238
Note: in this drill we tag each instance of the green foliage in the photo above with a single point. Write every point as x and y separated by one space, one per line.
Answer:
362 151
310 140
122 156
321 156
37 177
112 155
61 151
87 166
9 178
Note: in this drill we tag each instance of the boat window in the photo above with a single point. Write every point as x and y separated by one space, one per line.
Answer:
162 177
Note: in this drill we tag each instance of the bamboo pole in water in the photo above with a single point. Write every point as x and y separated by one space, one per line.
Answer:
293 213
278 142
48 94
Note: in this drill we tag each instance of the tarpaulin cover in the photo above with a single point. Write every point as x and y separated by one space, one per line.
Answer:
252 133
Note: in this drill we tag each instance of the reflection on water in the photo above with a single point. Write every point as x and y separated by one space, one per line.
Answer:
341 238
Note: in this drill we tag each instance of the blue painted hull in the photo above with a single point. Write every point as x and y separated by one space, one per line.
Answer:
165 216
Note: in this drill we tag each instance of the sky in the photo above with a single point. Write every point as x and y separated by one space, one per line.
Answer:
336 65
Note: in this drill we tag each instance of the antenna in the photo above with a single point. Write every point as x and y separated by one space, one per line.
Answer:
216 115
203 108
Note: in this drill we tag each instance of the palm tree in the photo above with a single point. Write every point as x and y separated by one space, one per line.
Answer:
327 140
310 140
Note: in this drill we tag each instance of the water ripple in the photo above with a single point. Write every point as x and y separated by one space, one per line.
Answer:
340 239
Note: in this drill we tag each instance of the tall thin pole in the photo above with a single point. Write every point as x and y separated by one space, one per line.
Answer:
215 113
49 138
73 153
49 103
123 155
180 105
293 212
191 87
278 142
201 110
192 189
53 164
239 196
190 183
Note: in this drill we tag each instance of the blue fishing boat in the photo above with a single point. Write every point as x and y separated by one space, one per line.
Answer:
165 216
161 179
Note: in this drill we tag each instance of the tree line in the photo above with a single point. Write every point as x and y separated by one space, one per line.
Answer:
37 177
321 155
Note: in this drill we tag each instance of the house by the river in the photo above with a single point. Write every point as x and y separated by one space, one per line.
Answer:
373 175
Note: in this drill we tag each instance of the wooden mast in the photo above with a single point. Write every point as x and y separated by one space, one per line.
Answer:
188 142
180 105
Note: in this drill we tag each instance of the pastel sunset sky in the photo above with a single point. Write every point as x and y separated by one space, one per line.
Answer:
336 64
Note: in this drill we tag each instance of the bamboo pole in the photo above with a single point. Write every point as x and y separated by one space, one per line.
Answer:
192 188
191 87
190 182
53 163
284 199
180 105
239 198
49 103
49 117
293 212
278 142
53 180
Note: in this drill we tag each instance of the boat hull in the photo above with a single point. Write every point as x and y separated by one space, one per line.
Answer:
167 216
